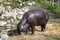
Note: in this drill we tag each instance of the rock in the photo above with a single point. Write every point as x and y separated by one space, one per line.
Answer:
31 3
4 37
8 25
9 32
25 9
2 23
10 17
3 31
8 21
0 39
21 12
20 17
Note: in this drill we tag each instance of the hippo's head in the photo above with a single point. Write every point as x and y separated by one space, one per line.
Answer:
23 28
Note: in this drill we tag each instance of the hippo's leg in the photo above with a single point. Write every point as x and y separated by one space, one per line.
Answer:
43 26
29 28
32 29
26 32
18 31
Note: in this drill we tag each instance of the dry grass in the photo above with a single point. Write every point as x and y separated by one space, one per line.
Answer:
52 29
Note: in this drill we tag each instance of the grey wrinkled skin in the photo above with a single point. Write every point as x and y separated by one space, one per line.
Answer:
32 18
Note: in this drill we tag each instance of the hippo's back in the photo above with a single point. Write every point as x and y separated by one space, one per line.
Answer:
37 16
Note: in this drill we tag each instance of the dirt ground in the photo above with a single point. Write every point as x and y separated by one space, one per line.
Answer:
52 33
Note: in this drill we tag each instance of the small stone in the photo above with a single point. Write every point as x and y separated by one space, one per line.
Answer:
4 37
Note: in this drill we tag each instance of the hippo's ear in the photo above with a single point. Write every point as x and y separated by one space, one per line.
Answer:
26 25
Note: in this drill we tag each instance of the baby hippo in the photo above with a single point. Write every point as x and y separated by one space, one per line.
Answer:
32 18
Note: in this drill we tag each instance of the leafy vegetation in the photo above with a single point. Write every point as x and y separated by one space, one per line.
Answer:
49 5
13 4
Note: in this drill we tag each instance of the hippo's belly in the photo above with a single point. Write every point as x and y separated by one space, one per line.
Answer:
36 19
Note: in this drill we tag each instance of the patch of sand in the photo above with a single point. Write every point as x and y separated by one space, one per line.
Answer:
51 30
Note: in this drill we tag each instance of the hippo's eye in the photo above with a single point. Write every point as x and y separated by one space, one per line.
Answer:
21 27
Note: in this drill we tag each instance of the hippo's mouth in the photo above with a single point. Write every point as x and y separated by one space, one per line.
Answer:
23 33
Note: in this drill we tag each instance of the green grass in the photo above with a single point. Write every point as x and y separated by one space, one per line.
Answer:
51 20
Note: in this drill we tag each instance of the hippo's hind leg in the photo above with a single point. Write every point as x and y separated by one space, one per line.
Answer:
32 29
29 28
43 27
18 30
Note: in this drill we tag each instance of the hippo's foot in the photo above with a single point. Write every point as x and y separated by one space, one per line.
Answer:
19 34
42 30
32 33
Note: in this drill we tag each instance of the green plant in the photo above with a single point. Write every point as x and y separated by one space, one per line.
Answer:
57 10
47 5
14 4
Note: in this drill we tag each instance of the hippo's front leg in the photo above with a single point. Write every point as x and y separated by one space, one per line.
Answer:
26 32
32 29
43 26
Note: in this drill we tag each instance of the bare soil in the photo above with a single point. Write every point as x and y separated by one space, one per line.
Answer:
52 33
